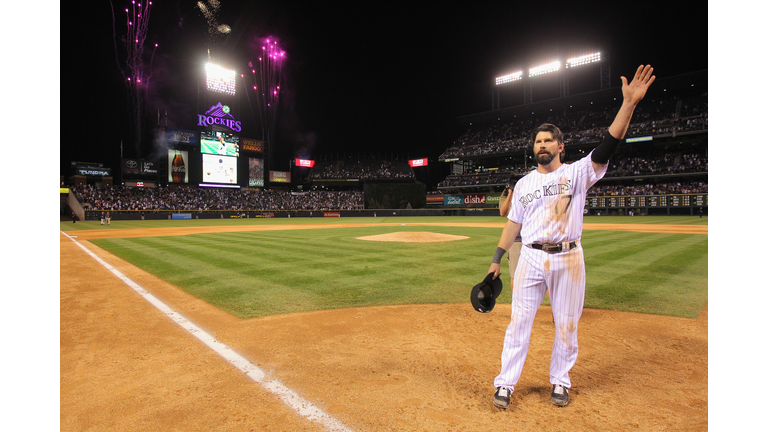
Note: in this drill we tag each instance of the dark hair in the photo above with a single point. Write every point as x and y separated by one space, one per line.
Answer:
548 127
557 134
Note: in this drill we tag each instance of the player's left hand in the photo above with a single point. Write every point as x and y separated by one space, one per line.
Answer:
635 91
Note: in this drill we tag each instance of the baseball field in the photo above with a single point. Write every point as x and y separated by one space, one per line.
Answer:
364 324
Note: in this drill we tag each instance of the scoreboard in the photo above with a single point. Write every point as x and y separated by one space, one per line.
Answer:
648 201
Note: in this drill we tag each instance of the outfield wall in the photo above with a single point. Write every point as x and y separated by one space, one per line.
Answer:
94 215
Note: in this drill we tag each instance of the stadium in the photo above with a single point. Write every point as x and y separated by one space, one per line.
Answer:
210 282
493 152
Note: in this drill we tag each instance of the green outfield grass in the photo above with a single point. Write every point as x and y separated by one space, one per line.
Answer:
259 273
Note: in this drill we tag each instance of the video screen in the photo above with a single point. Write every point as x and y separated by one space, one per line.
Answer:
219 143
219 169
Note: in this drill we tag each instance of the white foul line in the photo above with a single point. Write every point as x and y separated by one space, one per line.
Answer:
288 396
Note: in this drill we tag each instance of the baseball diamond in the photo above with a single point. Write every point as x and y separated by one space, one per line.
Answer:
126 366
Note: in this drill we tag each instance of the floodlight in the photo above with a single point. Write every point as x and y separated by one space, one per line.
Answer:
582 60
547 68
219 79
509 78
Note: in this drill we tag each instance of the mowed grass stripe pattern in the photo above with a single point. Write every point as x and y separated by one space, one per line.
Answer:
262 273
648 220
646 272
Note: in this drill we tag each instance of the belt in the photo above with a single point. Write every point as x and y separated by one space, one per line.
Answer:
554 248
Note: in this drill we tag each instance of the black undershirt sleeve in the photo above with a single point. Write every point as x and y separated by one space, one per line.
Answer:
606 149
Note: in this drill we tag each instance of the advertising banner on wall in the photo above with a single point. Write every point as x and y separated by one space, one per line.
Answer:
474 199
255 172
137 168
418 162
466 200
493 199
182 136
251 145
279 177
178 161
454 200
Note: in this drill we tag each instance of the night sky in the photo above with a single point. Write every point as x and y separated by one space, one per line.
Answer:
391 78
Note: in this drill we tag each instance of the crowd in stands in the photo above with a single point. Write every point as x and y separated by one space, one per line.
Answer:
501 176
661 117
362 169
667 163
185 198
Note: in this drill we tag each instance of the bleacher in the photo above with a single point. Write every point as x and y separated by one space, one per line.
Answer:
666 142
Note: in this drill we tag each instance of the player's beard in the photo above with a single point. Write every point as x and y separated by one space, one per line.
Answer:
544 158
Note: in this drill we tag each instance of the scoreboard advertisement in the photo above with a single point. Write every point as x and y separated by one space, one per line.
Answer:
255 172
251 145
279 177
178 161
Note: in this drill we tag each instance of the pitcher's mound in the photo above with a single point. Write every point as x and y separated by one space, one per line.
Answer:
413 237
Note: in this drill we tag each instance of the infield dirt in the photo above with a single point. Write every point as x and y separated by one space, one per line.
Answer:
125 366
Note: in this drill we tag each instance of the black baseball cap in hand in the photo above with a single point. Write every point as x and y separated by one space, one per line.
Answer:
484 294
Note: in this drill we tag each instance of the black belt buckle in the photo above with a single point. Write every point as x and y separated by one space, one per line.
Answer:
554 248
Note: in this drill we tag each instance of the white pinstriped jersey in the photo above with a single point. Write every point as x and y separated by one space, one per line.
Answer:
550 207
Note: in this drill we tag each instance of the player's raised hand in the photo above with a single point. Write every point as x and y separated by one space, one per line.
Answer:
635 91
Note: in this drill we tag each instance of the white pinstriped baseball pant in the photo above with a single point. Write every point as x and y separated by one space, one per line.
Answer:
565 277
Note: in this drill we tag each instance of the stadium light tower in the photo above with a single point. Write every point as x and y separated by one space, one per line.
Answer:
545 68
555 66
582 60
220 80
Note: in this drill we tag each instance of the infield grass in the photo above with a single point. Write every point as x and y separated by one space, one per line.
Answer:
259 273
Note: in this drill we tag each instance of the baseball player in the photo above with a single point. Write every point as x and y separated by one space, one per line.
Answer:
546 210
514 251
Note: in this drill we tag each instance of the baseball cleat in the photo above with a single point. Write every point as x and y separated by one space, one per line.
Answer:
501 397
559 395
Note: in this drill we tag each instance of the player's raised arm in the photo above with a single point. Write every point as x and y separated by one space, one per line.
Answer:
633 92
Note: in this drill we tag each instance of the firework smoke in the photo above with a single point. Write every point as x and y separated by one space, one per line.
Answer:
210 12
135 74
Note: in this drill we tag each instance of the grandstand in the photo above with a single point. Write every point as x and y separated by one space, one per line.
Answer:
661 169
665 152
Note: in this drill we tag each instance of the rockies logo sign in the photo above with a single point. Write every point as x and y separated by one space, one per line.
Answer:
218 114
